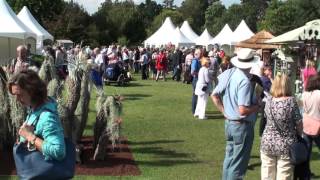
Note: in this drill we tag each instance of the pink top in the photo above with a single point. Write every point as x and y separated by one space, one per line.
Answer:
307 72
311 103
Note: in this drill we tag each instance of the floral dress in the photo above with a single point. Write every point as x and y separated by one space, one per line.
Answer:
286 114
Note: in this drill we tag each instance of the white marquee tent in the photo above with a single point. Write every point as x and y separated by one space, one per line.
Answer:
179 39
310 31
12 33
163 35
205 39
241 33
188 32
26 17
224 36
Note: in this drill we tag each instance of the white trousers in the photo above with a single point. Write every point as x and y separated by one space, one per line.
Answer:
275 168
201 106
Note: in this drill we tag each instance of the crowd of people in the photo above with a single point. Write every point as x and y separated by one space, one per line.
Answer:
284 123
233 84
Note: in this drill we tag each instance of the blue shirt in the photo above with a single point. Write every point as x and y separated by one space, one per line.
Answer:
195 67
235 88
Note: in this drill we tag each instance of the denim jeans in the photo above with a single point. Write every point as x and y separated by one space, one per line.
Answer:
194 96
239 137
310 140
176 73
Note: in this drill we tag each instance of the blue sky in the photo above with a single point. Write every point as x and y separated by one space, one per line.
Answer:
92 5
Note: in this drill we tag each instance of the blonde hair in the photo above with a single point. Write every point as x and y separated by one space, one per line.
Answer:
204 61
310 63
281 86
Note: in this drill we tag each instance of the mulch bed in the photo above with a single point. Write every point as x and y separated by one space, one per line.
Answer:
119 162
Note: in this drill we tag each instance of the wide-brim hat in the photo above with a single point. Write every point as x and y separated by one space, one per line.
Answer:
245 58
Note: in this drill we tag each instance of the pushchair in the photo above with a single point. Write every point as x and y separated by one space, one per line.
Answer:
116 73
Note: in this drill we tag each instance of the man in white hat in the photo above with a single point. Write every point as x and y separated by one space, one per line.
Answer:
234 97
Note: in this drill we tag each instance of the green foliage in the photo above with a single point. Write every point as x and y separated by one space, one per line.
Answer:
176 17
42 10
308 10
278 16
123 41
130 24
168 3
119 19
234 15
214 17
71 23
195 9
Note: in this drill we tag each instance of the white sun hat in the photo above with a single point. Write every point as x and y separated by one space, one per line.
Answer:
245 58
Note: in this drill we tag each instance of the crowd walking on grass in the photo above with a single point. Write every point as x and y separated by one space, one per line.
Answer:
232 83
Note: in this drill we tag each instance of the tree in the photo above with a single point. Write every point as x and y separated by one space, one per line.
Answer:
194 10
281 17
71 23
176 18
234 15
120 21
168 4
308 10
255 11
149 10
213 15
42 10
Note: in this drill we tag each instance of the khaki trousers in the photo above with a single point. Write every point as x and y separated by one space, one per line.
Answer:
275 168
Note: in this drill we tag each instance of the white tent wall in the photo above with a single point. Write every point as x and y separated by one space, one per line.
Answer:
162 36
228 49
33 44
27 18
8 48
204 39
4 50
241 33
188 32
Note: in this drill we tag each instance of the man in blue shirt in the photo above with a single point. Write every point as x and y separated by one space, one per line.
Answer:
195 67
234 97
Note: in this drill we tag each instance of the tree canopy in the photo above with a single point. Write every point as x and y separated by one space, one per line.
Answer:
127 23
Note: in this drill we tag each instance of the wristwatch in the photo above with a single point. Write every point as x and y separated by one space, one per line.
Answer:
33 141
31 144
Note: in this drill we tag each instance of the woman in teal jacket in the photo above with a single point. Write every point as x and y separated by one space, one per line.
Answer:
42 129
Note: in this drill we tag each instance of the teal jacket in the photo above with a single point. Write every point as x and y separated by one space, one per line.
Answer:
48 128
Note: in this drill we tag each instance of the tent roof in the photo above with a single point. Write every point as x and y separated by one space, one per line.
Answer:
26 17
163 34
204 39
188 32
309 31
257 41
224 36
179 37
11 25
242 32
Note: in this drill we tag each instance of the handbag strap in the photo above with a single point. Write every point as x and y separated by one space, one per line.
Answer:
275 122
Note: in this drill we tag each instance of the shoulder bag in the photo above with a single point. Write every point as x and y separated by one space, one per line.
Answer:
32 164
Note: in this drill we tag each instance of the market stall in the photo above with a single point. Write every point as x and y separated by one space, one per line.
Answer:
304 43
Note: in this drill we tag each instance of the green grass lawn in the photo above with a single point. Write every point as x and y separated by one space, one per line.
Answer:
166 141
